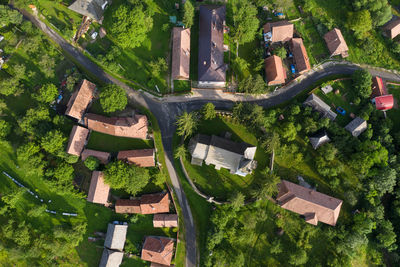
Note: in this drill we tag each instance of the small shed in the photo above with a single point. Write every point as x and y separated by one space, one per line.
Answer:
327 89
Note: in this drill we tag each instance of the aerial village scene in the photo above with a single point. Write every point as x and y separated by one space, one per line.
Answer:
199 133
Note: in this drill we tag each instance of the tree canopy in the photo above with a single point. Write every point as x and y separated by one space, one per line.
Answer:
380 10
47 93
187 124
360 23
9 16
188 14
209 111
130 25
113 98
362 81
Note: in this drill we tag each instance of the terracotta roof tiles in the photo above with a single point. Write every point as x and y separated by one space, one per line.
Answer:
180 53
77 140
154 203
139 157
300 55
158 249
165 220
127 206
274 70
98 190
102 156
336 43
282 31
80 100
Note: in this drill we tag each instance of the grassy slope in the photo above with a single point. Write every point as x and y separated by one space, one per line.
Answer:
222 184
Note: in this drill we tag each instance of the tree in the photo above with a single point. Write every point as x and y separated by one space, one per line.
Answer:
280 52
362 81
271 142
380 10
245 22
130 178
187 124
157 67
9 16
130 25
288 131
360 23
47 93
386 235
113 98
9 86
47 65
92 163
53 142
209 111
268 187
237 201
64 173
252 85
180 152
188 14
5 129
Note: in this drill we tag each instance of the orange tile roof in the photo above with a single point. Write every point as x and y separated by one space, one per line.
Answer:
274 70
378 87
127 206
165 220
139 157
158 249
180 53
282 31
80 100
392 28
133 127
98 190
154 203
102 156
313 205
77 140
300 55
336 43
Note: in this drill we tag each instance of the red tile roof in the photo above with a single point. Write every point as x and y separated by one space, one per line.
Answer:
140 157
79 100
127 206
133 127
158 249
102 156
180 53
77 140
165 220
313 205
392 28
384 102
378 87
336 43
274 70
282 31
300 55
98 190
154 203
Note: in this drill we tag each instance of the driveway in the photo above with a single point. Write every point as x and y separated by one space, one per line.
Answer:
168 108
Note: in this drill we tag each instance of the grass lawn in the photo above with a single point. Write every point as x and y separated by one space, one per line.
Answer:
109 143
339 100
394 113
222 183
182 86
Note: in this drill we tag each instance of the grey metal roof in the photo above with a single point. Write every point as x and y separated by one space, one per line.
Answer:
356 126
317 104
116 236
90 8
319 139
111 258
211 66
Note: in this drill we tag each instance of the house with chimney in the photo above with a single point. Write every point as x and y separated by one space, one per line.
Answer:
146 204
379 96
336 43
211 66
158 250
114 245
392 28
93 9
138 157
320 106
98 189
312 205
275 73
300 56
279 31
357 126
180 65
80 100
77 140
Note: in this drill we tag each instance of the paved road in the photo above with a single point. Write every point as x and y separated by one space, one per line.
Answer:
167 109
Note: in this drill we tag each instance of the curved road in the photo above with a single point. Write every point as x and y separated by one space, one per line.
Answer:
167 109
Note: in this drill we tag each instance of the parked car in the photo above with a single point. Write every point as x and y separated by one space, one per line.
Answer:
341 111
292 69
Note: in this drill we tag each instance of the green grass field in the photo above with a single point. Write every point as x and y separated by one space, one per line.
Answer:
221 184
109 143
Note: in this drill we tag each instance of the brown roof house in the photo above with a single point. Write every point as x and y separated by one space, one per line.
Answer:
223 153
336 43
80 100
98 190
357 126
127 206
133 127
392 28
158 249
314 206
77 140
274 70
104 157
139 157
211 66
146 204
154 203
378 87
165 220
280 31
299 55
93 9
180 53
